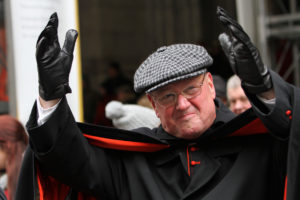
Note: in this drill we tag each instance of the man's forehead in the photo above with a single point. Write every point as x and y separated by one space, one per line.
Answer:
235 92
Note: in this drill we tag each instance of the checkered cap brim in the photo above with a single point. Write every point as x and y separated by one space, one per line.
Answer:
169 64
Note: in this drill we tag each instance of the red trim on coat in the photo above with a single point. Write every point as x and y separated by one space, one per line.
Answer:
188 160
124 145
41 191
254 127
51 189
285 188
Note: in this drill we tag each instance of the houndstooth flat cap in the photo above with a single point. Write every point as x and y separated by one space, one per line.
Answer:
169 64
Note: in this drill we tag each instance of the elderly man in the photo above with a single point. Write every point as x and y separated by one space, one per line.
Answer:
200 151
237 100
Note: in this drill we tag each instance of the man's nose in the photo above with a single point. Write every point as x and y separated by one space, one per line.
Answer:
182 102
238 104
238 107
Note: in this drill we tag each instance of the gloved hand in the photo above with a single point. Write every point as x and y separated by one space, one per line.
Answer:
54 64
243 56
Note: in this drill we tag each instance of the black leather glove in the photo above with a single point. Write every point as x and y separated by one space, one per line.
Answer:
243 56
54 64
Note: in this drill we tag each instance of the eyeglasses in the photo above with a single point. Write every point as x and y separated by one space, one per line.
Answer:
169 98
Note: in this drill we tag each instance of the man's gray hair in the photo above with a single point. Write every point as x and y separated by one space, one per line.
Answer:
233 82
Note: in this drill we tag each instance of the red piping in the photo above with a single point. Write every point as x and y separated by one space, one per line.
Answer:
41 192
285 188
254 127
188 160
124 145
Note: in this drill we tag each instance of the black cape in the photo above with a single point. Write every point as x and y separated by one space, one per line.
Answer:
34 184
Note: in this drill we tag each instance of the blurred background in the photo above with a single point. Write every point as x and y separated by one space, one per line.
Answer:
117 35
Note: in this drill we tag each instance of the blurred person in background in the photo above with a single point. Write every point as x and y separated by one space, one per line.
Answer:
143 100
124 94
115 87
115 79
13 142
131 116
237 100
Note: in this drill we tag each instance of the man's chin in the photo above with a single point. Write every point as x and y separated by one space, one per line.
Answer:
190 133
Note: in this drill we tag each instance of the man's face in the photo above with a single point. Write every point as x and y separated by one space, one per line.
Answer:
238 101
190 115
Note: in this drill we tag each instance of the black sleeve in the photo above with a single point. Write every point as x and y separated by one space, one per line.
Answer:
64 153
283 122
278 119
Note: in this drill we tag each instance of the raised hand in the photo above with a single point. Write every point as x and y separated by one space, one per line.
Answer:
243 56
54 64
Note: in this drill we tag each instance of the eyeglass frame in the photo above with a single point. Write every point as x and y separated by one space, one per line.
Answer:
187 96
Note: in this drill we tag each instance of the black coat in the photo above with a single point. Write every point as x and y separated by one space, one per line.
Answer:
215 166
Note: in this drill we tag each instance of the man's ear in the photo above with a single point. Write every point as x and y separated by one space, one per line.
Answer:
153 104
210 83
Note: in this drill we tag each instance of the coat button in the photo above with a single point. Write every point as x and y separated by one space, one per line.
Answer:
194 149
195 162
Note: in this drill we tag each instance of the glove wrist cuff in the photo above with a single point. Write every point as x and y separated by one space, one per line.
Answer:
57 93
257 89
